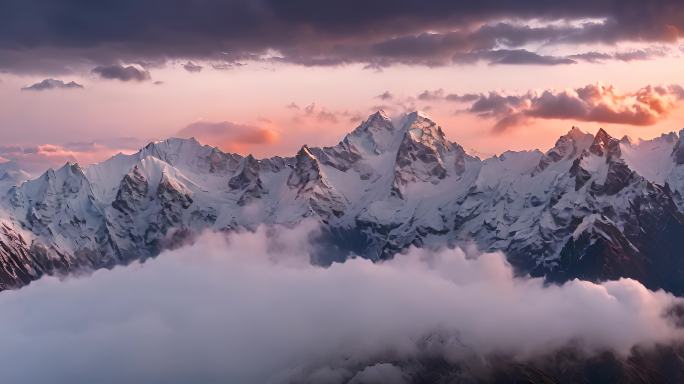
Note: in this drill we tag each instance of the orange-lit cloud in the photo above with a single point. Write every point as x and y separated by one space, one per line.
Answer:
228 136
592 103
36 159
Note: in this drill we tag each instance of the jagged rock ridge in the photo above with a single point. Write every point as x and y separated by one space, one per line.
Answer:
592 206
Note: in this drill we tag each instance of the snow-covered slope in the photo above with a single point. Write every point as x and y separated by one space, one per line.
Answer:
592 206
10 175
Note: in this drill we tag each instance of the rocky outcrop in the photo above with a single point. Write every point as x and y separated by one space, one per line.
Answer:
246 181
312 186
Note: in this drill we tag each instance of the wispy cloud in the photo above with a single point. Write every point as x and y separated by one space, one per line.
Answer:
38 158
50 84
385 96
314 115
627 55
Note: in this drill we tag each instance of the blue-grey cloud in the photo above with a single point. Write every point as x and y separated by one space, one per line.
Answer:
122 73
49 84
385 96
524 57
192 67
629 55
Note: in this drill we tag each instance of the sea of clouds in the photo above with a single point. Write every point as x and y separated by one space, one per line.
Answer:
250 308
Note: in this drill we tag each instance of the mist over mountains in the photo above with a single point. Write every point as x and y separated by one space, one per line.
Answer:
249 307
592 207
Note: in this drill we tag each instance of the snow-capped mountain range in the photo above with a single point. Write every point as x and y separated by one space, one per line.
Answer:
592 207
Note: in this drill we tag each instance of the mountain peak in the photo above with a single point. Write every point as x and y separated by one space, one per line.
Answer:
375 135
378 115
418 114
421 129
11 174
247 180
72 167
173 141
422 153
603 136
305 170
604 143
412 118
169 149
305 152
67 170
377 120
566 147
627 140
581 138
576 133
189 153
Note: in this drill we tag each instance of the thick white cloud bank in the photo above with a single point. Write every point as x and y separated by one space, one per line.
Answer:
249 308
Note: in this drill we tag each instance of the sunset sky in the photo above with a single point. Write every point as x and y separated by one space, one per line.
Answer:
265 77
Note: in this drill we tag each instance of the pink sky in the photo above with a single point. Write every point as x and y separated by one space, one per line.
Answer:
124 116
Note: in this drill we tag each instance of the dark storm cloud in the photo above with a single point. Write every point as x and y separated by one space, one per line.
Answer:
119 72
427 48
44 35
49 84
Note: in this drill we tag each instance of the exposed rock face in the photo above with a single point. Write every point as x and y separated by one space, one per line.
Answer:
18 266
420 155
678 150
567 146
425 155
246 179
592 207
312 186
133 192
